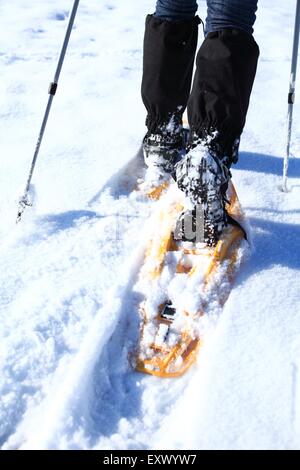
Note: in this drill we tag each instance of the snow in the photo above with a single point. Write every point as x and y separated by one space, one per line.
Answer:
67 303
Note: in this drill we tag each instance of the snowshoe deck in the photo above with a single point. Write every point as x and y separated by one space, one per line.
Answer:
169 338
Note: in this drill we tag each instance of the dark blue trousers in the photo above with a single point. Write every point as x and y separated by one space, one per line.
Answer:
221 14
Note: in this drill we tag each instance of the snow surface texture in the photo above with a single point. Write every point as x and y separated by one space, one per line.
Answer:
67 271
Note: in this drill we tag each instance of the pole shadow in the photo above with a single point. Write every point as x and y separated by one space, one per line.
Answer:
269 164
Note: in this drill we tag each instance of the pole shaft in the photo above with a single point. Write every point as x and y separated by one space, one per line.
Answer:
38 143
291 94
51 95
66 41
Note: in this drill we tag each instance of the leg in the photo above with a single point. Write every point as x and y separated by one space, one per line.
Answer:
235 14
176 10
217 108
226 67
169 50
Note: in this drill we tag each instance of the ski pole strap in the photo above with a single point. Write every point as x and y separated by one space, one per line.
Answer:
235 223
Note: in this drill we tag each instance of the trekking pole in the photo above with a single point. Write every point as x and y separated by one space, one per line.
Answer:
291 95
25 200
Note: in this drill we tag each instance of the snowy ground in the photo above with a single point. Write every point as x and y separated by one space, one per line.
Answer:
67 271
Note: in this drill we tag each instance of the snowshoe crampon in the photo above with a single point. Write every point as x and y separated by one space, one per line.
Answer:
169 337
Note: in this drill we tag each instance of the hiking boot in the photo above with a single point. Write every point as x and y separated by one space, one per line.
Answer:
203 177
163 149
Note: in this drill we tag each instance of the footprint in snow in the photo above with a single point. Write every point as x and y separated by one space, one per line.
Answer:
33 31
59 15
